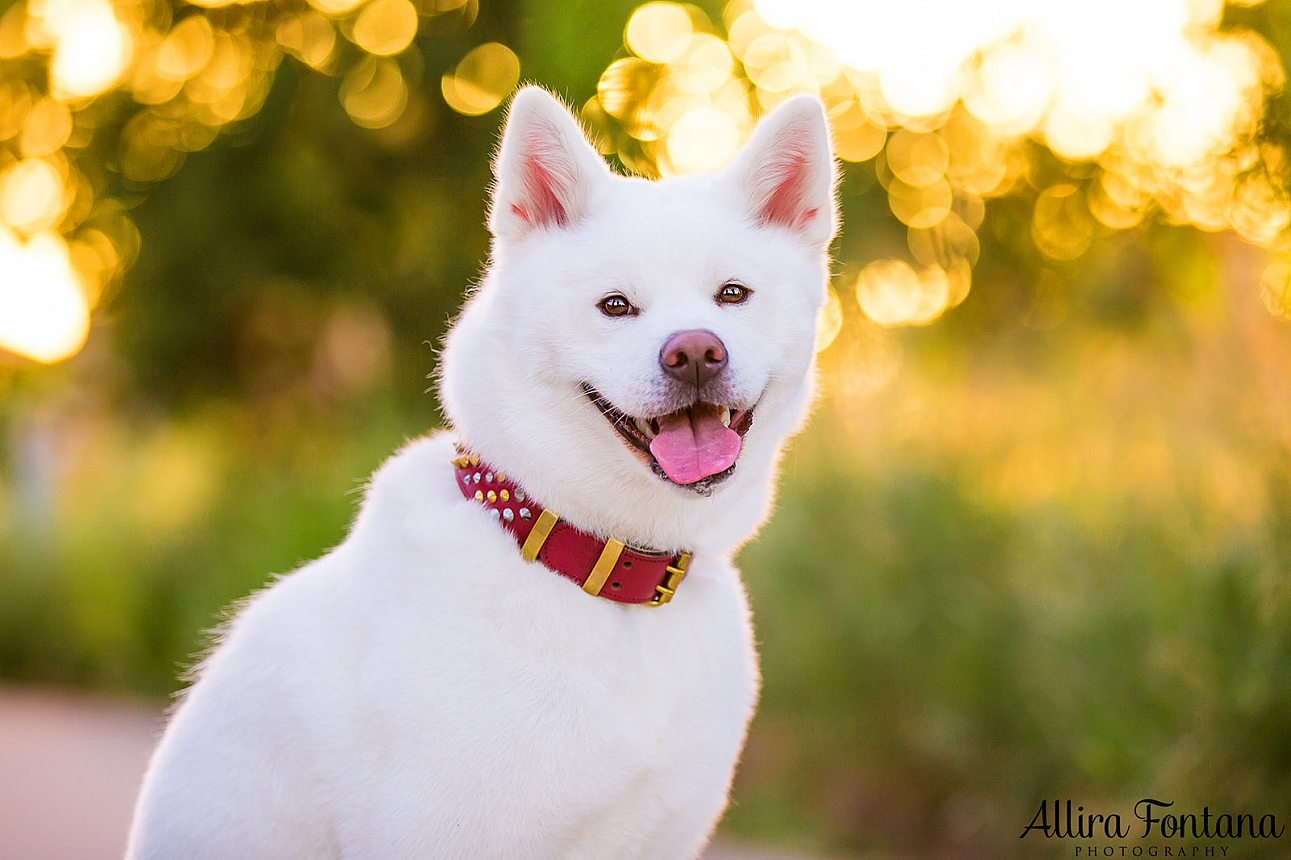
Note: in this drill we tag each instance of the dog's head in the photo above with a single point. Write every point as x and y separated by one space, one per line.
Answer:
638 351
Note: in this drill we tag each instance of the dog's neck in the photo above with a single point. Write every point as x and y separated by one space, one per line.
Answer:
607 568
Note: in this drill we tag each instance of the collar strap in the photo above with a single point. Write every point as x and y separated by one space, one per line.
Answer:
604 568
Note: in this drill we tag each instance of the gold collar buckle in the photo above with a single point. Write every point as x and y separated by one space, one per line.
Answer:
675 573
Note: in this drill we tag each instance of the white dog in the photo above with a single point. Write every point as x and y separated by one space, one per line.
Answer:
619 389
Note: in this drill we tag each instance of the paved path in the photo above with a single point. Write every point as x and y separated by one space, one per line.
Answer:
70 766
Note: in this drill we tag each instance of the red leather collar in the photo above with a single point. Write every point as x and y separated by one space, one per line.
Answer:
606 568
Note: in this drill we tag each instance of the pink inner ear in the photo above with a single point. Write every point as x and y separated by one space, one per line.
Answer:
787 203
543 203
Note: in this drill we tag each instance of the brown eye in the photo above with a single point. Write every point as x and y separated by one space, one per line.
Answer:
733 294
616 306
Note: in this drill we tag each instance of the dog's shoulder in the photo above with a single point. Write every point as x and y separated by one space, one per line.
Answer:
414 487
414 473
414 523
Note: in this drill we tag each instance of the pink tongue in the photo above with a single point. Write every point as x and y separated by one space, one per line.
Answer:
694 443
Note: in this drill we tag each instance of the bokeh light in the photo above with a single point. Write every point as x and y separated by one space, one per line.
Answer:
830 321
1275 288
188 73
32 195
680 98
374 93
659 32
946 98
385 27
43 309
1153 109
483 78
892 293
91 47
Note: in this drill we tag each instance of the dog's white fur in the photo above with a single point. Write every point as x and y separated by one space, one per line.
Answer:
421 691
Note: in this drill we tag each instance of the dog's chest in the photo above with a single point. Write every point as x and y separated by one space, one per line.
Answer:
479 705
581 727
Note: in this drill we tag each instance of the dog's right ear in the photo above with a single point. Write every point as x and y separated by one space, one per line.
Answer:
546 172
786 173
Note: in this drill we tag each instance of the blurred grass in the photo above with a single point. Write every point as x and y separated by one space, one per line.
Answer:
1039 566
934 665
164 526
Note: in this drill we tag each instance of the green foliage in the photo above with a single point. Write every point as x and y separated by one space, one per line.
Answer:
934 666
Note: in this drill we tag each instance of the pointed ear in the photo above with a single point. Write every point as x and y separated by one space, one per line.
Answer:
786 172
546 173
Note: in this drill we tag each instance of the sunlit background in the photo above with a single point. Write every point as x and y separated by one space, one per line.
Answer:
1034 543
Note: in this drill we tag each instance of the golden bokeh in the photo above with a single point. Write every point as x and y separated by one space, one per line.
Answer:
91 47
892 293
703 138
857 136
1161 102
336 8
944 243
482 80
186 49
385 27
310 38
920 206
43 309
679 99
659 32
829 322
1062 226
46 127
1275 288
33 196
1012 88
918 159
374 93
188 73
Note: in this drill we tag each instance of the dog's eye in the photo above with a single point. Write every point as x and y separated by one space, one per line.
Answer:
616 306
733 294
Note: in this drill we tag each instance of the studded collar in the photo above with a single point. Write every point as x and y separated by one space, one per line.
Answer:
604 568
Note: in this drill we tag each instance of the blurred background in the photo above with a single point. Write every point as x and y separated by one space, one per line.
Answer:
1034 543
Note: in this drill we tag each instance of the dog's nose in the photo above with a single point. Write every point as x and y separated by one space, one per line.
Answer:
693 356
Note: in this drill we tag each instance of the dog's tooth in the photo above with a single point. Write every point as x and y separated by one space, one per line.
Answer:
644 426
725 415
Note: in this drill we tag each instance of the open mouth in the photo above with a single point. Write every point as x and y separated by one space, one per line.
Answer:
695 447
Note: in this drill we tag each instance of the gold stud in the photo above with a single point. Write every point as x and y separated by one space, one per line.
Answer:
479 495
505 495
501 478
493 497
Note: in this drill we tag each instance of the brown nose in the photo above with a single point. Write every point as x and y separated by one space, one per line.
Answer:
693 356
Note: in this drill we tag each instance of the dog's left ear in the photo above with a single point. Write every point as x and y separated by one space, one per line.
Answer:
547 174
786 172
